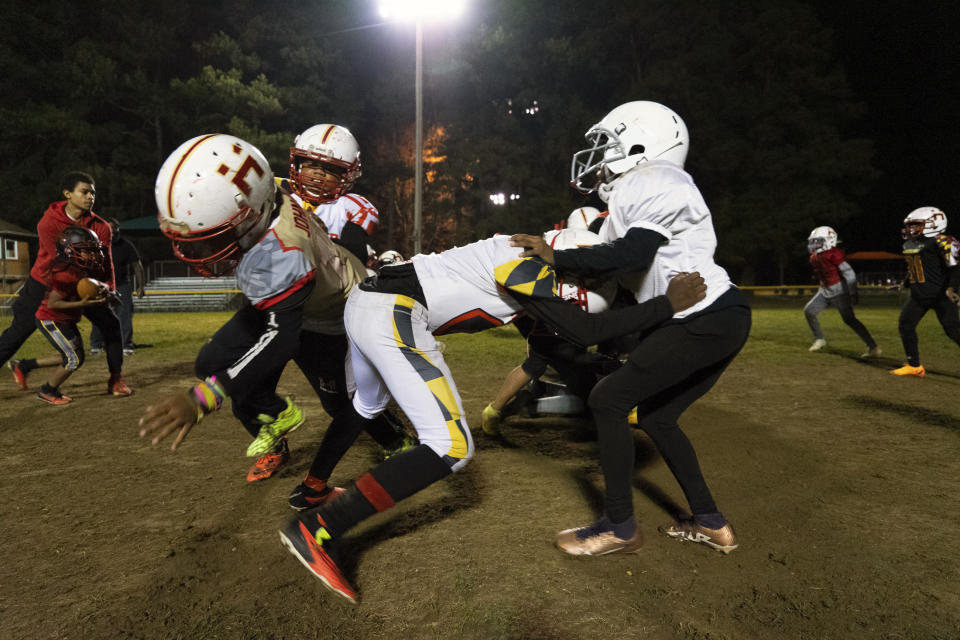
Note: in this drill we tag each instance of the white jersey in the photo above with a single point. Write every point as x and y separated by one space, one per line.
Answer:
460 286
348 208
662 197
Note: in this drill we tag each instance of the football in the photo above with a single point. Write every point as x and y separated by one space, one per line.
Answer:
89 288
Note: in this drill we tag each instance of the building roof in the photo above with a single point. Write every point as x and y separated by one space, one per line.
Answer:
10 229
873 255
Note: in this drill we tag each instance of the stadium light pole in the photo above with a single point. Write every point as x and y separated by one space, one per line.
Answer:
420 11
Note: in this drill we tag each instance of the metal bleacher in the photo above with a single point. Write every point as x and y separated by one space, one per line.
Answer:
190 294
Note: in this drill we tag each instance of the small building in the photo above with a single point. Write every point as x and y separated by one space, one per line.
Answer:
14 256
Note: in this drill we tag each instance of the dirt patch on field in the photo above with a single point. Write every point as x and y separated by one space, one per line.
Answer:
840 479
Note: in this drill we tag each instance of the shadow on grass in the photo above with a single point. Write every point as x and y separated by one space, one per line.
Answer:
589 480
465 493
922 414
884 363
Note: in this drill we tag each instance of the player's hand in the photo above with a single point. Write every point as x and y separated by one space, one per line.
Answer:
686 290
953 296
177 412
533 245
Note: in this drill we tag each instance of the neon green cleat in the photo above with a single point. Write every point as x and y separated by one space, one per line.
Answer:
275 428
405 444
490 421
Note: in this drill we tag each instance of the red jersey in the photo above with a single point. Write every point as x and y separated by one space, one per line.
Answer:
55 220
65 283
826 266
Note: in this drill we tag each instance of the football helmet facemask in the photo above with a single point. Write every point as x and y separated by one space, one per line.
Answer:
925 221
215 194
82 247
336 151
634 132
821 239
592 297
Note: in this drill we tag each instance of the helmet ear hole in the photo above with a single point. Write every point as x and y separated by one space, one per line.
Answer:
636 150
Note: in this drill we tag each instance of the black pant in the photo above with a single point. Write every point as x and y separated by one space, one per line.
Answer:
124 313
24 308
321 358
911 313
671 367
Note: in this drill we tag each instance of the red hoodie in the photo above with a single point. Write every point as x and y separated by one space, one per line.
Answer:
55 220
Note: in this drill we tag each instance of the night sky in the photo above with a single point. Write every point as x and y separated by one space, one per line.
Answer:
901 60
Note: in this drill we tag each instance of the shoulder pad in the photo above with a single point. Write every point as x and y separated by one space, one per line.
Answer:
529 276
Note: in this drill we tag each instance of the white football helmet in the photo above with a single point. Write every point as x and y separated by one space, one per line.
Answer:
390 257
582 217
821 239
925 221
335 148
634 132
215 195
592 300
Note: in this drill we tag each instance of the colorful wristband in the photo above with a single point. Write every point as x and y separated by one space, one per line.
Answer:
208 395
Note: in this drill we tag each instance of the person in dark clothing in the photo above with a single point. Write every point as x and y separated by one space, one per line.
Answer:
125 258
658 225
76 209
931 257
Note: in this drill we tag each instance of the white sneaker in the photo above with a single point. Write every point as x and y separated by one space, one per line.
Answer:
873 352
818 344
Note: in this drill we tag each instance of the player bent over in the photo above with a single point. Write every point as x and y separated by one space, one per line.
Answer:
392 320
838 288
933 277
222 210
658 225
79 255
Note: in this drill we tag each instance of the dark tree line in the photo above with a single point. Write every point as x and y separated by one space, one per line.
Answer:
112 88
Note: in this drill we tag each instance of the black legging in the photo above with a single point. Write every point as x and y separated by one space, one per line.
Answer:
672 367
910 316
24 321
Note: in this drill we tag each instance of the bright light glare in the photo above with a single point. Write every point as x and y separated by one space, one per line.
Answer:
426 10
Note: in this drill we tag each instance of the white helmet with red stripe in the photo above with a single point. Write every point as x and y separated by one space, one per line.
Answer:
336 151
925 221
594 299
215 195
582 217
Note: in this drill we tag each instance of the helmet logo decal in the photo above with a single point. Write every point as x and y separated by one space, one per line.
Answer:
240 178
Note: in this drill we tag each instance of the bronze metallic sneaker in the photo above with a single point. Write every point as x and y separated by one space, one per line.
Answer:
590 541
722 539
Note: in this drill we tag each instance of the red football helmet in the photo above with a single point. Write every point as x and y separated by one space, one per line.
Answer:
81 247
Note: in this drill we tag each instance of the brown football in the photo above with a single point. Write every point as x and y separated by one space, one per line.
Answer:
89 288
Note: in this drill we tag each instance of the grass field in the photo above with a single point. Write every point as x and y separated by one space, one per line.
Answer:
840 479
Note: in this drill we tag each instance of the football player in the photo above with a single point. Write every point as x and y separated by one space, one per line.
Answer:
324 165
76 209
931 257
221 208
392 322
577 367
658 225
838 288
79 255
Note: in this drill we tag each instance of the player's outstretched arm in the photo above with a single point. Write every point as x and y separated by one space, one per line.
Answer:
533 246
175 413
180 411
